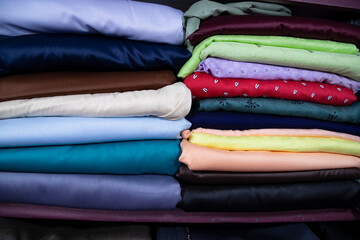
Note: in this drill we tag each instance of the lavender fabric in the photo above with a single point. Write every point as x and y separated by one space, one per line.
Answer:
223 68
116 192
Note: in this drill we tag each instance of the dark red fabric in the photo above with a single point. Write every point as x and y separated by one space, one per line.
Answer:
277 26
203 85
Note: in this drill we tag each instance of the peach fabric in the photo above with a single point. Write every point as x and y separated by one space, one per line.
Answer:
199 158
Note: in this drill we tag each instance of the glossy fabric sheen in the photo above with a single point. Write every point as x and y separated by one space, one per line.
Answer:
170 102
315 28
203 85
347 114
270 197
223 68
141 192
278 143
133 157
39 131
30 229
185 175
243 121
129 19
261 43
48 84
42 53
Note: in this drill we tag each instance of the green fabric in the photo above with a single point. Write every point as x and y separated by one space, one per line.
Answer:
348 114
276 50
277 143
133 157
204 9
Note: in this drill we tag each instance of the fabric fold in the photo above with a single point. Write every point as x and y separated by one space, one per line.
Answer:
142 192
67 52
130 19
346 114
41 131
170 102
129 157
49 84
200 158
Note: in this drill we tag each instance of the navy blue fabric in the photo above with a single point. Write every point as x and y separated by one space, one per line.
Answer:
242 121
38 53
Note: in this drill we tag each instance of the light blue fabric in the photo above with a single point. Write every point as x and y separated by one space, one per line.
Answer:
39 131
134 157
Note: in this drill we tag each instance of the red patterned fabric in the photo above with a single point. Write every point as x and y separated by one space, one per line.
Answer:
203 85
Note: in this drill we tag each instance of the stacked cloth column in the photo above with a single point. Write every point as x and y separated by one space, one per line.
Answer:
90 112
275 119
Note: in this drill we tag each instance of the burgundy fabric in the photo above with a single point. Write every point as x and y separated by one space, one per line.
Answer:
176 216
277 25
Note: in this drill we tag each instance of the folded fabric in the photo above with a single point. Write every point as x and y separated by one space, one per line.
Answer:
315 133
39 131
141 192
346 64
203 85
31 229
200 158
297 231
171 102
222 68
185 175
205 9
270 197
243 121
49 84
129 19
349 114
303 27
41 53
277 143
133 157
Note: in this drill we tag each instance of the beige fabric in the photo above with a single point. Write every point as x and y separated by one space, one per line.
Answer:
171 102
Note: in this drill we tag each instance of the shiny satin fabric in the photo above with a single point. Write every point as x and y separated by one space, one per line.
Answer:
185 175
42 53
130 19
132 157
200 158
315 28
170 102
48 84
30 229
270 197
121 192
41 131
346 114
297 231
242 121
223 68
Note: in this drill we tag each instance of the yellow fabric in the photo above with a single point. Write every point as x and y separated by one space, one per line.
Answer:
277 143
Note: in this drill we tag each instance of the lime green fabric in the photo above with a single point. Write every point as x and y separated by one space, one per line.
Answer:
277 143
296 49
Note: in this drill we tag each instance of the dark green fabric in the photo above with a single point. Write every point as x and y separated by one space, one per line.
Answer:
348 114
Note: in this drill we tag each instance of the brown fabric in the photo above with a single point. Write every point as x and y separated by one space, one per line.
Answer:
66 83
185 175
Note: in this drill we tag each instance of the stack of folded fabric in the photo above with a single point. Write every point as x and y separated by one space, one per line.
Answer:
90 112
276 121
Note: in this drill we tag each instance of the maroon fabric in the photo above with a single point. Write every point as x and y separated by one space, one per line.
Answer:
278 26
176 216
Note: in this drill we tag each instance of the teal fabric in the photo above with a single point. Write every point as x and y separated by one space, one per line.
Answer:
349 114
133 157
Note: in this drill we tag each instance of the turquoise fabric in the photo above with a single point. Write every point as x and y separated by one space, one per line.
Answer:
348 114
133 157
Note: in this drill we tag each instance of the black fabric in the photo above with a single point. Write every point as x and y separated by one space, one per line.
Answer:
336 230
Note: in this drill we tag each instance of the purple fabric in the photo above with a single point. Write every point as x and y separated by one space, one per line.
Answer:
119 192
178 216
223 68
